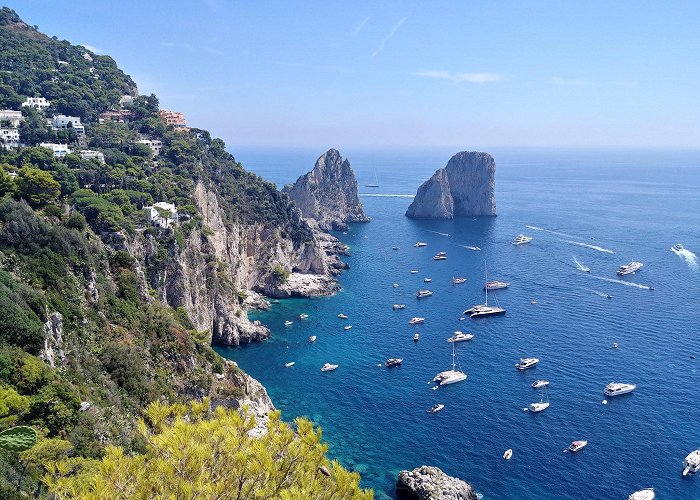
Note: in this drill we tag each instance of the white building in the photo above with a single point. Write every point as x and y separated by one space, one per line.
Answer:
37 102
154 144
59 150
63 121
9 137
10 115
161 214
126 99
89 154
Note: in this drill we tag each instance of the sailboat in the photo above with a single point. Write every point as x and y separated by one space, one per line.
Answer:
451 376
375 184
542 405
484 310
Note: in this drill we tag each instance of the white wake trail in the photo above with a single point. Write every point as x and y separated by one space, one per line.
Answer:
586 245
620 282
437 232
581 267
534 227
689 257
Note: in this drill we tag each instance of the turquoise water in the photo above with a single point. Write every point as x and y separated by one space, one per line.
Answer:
635 203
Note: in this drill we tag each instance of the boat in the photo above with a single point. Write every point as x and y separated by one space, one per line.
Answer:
395 285
393 362
288 323
423 293
450 376
375 184
677 247
542 405
427 280
630 268
691 464
521 239
414 271
540 383
440 256
287 365
416 321
508 453
645 494
458 281
396 307
618 389
485 310
347 327
526 363
342 316
420 244
468 247
312 338
496 285
460 337
436 408
303 316
327 367
416 337
394 248
577 445
615 345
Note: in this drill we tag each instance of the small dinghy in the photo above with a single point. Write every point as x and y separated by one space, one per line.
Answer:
508 454
436 408
287 365
327 367
288 323
303 316
348 327
312 339
577 445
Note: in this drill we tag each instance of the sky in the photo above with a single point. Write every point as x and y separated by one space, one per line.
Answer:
399 73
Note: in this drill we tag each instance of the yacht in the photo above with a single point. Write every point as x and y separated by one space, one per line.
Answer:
618 388
496 285
347 327
312 338
460 337
538 407
303 316
540 383
287 365
414 271
416 337
450 376
396 307
423 293
645 494
691 464
630 268
526 363
436 408
521 239
420 244
393 362
288 323
342 316
677 247
458 281
577 445
327 367
484 310
427 280
440 256
416 321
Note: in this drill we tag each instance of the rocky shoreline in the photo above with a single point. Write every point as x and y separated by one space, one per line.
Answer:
431 483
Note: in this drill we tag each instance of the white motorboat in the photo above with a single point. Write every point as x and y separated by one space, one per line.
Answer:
288 323
691 464
420 244
436 408
484 310
677 247
451 376
630 268
393 362
416 321
416 337
538 407
287 365
312 338
618 389
347 327
395 285
521 239
577 445
460 337
303 316
396 307
540 383
423 293
342 316
508 454
526 363
458 281
468 247
645 494
496 285
327 367
440 257
394 248
414 271
427 280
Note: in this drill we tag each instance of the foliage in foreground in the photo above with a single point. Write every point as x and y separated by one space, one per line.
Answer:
191 455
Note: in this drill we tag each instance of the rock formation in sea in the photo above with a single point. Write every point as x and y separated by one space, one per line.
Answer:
430 483
464 188
328 194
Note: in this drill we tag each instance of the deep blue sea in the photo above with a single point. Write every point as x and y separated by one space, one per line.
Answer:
575 204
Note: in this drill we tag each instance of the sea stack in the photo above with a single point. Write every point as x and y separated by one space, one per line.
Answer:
328 194
464 188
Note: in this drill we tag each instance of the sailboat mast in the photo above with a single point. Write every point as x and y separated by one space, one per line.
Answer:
486 285
453 356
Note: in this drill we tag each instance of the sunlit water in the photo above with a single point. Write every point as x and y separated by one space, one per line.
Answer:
579 206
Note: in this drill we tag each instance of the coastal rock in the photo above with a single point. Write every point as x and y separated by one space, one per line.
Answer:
430 483
328 194
464 188
52 353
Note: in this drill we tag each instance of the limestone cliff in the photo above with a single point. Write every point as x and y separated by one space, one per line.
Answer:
430 483
464 188
328 194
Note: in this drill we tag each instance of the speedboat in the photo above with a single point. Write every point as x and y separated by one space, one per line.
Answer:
677 247
460 337
540 383
577 445
416 337
423 293
312 338
436 408
420 244
394 248
327 367
630 268
496 285
538 407
427 280
393 362
691 464
288 323
526 363
395 285
508 453
303 316
396 307
342 316
347 327
450 376
416 321
440 256
618 388
287 365
645 494
414 271
458 281
521 239
472 248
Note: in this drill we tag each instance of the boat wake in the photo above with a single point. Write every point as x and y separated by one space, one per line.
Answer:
437 232
536 228
601 294
581 267
620 282
592 247
690 258
470 247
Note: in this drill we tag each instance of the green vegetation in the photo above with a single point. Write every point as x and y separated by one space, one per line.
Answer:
280 274
16 439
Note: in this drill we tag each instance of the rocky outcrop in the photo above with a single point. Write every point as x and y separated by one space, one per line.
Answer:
464 188
52 353
328 194
430 483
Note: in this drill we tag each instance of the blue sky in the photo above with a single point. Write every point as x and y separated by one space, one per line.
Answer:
449 73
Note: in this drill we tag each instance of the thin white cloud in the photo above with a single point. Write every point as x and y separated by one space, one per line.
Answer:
477 77
94 50
361 25
389 36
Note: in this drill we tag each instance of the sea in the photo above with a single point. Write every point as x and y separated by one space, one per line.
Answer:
596 209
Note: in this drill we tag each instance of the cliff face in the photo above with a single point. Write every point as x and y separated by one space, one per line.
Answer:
464 188
328 194
430 483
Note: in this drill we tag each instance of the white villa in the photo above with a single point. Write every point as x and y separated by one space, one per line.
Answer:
9 137
89 154
154 144
11 116
59 150
37 102
161 214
